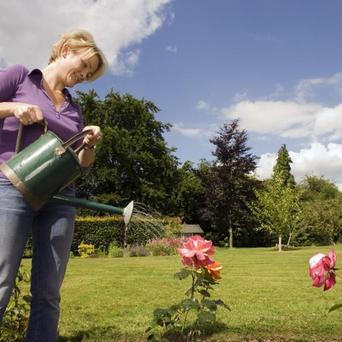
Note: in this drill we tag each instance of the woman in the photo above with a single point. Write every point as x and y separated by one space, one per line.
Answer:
28 97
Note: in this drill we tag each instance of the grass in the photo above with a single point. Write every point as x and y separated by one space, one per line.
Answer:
270 294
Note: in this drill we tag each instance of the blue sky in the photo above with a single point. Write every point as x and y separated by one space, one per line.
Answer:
275 65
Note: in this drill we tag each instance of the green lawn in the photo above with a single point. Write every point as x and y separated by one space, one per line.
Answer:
270 294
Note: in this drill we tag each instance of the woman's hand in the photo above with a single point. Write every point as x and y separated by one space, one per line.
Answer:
27 114
92 138
87 155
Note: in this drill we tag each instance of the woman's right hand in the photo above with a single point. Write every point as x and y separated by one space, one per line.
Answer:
27 114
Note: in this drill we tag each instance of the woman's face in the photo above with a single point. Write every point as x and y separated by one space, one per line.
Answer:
77 68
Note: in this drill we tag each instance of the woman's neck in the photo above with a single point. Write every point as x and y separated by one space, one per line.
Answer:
51 79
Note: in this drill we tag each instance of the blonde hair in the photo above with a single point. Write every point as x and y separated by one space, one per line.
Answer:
80 40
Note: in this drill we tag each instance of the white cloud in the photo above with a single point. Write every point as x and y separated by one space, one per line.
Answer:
127 62
172 49
305 89
288 119
188 132
202 105
274 117
171 18
316 159
265 165
299 117
117 26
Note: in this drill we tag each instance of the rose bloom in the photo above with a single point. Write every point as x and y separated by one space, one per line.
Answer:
322 270
214 270
195 252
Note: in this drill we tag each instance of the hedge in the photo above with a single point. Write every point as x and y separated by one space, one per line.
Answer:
98 231
101 231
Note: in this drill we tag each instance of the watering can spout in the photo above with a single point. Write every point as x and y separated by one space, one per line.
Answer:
83 203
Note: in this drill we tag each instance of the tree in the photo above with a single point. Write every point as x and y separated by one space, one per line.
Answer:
133 161
321 214
282 168
278 208
322 221
229 185
189 193
318 189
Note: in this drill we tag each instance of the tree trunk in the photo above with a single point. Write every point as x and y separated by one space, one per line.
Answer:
230 232
279 243
289 240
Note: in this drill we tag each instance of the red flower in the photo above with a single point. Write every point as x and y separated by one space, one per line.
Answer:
214 270
322 270
195 252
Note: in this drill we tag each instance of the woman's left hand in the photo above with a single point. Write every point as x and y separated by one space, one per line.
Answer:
92 138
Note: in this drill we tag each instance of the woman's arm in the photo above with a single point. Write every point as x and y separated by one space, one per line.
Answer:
27 114
87 155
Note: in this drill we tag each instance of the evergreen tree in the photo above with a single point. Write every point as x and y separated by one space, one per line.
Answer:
229 185
282 168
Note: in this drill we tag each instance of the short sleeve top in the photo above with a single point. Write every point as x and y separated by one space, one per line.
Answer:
18 84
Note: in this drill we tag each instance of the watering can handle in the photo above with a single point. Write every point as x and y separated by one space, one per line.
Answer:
45 124
75 138
20 133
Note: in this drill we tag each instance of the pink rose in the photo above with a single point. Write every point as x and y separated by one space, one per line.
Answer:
195 252
322 270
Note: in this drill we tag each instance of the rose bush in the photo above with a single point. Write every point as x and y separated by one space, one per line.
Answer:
190 317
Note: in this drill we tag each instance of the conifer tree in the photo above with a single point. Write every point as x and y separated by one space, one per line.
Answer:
229 185
282 168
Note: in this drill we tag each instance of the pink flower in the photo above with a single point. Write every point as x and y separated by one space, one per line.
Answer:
195 252
322 270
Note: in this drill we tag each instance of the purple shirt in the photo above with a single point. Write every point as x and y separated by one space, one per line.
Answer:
17 84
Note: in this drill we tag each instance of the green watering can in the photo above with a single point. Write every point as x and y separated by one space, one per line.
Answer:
47 166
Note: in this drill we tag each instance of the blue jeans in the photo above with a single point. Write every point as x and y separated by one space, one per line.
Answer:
52 230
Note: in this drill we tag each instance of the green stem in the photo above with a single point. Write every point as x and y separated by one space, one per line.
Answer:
192 297
193 286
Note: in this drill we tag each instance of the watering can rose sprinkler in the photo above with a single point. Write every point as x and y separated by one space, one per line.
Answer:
47 166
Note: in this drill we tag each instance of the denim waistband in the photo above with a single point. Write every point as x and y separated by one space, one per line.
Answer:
68 191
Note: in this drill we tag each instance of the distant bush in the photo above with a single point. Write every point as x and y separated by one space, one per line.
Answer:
98 231
102 231
86 250
173 226
115 251
136 251
164 246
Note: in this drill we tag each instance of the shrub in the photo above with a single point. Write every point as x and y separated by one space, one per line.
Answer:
115 251
164 246
173 226
98 231
86 250
136 250
28 251
16 316
101 231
